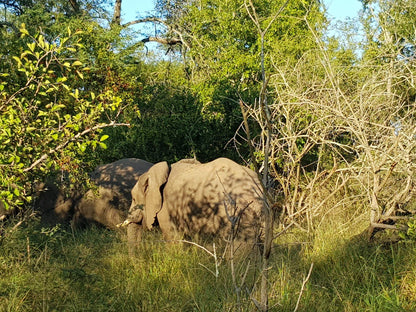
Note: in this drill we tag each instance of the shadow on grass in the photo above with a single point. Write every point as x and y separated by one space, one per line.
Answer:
54 269
351 275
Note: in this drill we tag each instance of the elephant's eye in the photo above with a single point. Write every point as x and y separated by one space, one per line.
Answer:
136 207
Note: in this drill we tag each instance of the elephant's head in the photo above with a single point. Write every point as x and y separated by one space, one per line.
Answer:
147 193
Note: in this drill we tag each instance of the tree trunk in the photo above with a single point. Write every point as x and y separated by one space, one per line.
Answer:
117 13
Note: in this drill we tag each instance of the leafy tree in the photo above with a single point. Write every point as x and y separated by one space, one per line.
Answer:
221 48
169 125
47 124
387 26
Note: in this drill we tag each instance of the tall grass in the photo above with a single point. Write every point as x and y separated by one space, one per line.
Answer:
91 270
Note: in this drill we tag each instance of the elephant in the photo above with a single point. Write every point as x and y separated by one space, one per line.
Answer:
217 199
107 205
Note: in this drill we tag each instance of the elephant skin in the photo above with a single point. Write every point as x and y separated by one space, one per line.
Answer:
213 199
107 205
53 205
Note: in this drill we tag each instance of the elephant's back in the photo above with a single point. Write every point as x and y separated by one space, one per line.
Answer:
202 198
122 173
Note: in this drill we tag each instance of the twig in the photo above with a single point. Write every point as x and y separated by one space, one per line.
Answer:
303 287
212 254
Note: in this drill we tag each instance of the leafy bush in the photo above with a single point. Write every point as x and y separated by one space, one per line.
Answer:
47 124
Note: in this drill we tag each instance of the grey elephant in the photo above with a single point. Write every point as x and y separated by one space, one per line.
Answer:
220 198
107 205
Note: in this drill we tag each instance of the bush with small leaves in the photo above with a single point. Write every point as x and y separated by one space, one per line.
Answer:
48 125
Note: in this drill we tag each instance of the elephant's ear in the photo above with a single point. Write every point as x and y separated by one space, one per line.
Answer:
156 177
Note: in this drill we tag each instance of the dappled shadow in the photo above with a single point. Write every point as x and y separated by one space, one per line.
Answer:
207 199
347 275
107 203
120 175
54 205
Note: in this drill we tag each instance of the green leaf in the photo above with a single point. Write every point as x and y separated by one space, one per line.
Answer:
31 46
80 74
23 30
57 107
77 63
104 137
75 94
82 147
41 41
19 62
26 52
42 113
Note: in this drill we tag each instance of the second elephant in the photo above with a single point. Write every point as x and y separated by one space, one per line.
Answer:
106 205
220 198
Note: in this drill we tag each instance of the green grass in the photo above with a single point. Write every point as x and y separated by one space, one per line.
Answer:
91 270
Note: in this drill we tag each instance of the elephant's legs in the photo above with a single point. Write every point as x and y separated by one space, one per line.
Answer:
167 227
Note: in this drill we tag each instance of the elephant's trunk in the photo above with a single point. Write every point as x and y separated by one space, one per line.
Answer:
134 236
135 216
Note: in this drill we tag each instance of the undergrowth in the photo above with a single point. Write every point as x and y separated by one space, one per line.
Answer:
54 269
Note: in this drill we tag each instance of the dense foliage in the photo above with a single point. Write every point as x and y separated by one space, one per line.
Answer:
327 118
47 123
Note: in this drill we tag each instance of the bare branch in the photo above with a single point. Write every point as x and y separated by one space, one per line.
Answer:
74 5
303 287
387 226
146 20
170 42
173 41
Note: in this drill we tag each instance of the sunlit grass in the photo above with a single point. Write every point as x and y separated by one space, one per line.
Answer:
91 270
